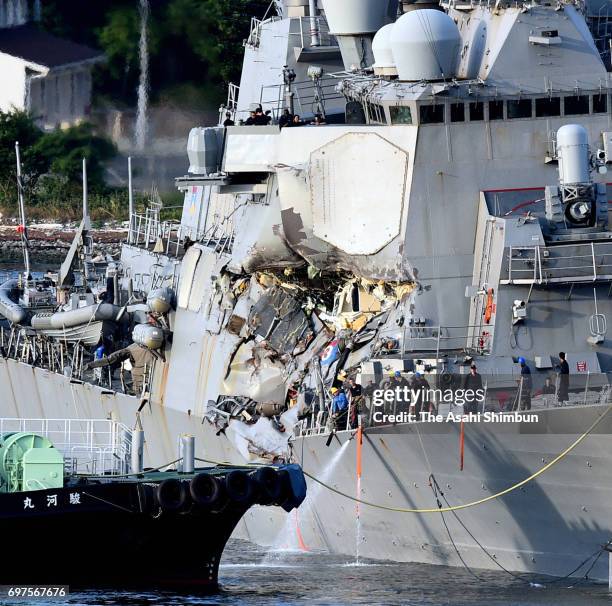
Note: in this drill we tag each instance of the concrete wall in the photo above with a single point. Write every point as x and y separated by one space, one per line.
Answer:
60 98
13 12
12 91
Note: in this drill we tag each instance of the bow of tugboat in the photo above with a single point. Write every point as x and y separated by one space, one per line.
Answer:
93 517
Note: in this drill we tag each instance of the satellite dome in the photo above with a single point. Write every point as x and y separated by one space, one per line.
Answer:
425 45
384 65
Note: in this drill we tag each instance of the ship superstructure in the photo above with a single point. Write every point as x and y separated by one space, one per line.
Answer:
441 202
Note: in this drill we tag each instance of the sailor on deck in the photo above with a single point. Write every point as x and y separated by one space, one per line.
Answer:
563 392
339 407
525 385
473 382
141 359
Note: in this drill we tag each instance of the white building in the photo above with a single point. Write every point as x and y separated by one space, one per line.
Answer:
41 73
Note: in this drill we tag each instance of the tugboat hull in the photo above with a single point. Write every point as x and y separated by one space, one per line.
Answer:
119 534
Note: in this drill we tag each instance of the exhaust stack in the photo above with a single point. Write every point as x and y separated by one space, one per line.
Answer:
354 23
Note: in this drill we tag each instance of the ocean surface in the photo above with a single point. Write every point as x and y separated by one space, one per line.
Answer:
250 576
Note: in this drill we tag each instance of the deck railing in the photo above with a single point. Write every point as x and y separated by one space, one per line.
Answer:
89 446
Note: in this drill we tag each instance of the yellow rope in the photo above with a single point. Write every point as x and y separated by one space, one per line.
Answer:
453 507
473 503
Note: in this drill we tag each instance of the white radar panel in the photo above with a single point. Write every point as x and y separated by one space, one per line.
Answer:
357 185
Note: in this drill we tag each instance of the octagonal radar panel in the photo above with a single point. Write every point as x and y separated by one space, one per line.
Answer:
352 208
425 45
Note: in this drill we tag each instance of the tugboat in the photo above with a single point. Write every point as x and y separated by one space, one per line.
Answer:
105 528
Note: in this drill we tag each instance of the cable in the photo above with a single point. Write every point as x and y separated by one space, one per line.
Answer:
595 554
127 475
506 491
434 487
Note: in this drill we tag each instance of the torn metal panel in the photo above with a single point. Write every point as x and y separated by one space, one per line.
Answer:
256 373
279 319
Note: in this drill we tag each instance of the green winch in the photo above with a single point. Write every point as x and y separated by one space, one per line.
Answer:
29 462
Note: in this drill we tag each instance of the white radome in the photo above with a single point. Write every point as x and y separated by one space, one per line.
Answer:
425 45
384 64
573 154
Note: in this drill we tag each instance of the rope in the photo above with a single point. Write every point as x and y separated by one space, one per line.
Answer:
93 496
127 475
497 495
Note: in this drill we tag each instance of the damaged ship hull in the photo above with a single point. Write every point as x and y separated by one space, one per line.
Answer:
546 527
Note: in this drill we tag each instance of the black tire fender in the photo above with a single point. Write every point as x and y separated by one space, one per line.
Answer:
206 490
239 486
172 494
269 484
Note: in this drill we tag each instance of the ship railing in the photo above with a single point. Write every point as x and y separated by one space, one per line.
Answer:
318 26
272 96
566 263
398 342
254 38
503 394
89 446
231 105
219 234
149 231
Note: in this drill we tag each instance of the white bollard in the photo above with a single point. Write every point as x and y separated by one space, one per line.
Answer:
137 454
187 453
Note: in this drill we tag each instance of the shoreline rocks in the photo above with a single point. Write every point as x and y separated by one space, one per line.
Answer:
51 245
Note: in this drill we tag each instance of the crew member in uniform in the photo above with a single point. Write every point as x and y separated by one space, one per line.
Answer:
339 408
473 382
525 385
141 359
563 392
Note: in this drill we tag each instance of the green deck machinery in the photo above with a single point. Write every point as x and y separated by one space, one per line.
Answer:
29 462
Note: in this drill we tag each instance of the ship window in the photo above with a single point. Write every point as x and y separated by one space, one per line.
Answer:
431 114
600 103
548 106
377 113
457 112
400 114
496 110
578 104
519 108
476 111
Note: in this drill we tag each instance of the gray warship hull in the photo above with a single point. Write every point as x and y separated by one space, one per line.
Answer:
440 218
549 526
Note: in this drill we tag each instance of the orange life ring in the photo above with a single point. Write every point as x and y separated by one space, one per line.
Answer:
488 314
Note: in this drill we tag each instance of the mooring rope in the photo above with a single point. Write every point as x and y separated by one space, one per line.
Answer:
501 493
497 495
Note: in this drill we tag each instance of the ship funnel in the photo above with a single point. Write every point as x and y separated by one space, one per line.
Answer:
354 23
425 45
384 64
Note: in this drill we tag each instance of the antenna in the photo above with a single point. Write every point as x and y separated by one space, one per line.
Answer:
85 202
86 225
130 200
23 230
315 39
